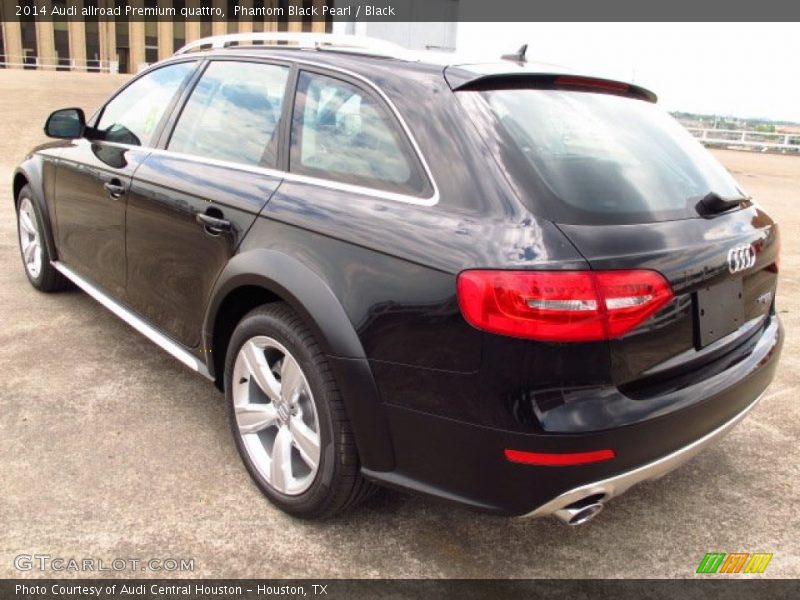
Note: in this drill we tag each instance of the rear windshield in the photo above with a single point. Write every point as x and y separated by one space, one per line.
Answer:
594 158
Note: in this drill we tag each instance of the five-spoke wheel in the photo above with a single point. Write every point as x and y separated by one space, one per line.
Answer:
276 415
288 417
30 242
32 225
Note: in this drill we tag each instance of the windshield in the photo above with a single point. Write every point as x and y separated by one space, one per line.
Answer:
594 158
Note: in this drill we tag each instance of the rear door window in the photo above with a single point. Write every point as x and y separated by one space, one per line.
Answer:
595 158
342 133
233 114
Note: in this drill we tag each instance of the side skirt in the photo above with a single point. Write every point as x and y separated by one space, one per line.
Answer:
135 321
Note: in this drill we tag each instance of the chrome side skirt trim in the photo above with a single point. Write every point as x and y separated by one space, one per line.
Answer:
135 321
618 484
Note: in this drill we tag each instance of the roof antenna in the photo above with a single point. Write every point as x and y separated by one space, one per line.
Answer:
519 56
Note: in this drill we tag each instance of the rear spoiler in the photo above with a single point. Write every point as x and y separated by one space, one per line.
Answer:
551 81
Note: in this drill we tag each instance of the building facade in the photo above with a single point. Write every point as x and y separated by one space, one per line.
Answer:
113 44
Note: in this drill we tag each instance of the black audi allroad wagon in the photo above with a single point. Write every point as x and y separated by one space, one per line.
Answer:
503 284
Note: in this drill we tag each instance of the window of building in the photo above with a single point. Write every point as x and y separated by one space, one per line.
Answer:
122 37
307 18
3 56
30 46
341 133
150 35
205 25
232 20
61 38
150 42
178 25
132 116
233 114
258 21
92 26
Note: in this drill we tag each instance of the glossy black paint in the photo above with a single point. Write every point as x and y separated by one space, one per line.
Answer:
91 219
289 278
691 254
464 462
167 244
38 171
432 401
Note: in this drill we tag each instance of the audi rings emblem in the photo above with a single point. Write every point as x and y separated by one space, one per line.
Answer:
741 258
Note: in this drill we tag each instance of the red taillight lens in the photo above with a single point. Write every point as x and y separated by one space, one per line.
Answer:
561 306
550 459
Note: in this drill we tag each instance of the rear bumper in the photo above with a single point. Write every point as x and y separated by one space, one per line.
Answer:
465 462
618 484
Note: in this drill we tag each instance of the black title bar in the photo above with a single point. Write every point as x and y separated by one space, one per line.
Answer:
404 10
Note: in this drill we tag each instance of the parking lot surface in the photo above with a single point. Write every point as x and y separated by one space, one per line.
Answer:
109 448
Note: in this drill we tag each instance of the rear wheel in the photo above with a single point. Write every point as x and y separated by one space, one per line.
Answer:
35 256
288 418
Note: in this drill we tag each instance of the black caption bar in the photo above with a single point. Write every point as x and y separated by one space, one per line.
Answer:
352 589
402 10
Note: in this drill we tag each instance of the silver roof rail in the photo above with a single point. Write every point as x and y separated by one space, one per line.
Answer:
314 41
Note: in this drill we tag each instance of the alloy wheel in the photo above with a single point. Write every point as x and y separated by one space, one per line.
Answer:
29 239
276 415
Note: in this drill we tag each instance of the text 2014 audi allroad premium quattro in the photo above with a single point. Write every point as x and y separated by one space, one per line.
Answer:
506 285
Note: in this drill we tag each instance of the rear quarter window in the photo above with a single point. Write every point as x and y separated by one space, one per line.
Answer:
342 133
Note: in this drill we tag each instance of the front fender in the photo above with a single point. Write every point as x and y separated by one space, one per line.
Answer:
39 173
308 294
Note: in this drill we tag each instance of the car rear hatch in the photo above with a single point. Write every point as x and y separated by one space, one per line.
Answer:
723 273
632 189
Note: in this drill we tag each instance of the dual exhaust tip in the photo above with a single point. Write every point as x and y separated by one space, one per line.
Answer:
581 511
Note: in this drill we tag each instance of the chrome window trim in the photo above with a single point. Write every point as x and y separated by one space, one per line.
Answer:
294 177
431 200
283 175
434 198
94 120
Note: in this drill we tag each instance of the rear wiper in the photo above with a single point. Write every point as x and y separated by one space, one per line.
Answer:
712 203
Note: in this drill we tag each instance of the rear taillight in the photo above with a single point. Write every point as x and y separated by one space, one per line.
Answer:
561 306
558 459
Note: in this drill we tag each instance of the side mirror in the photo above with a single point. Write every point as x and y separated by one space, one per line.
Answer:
66 124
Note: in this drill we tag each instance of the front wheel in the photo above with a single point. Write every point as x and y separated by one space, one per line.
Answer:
35 257
288 418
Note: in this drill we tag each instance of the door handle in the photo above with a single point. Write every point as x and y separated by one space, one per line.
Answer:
213 225
115 189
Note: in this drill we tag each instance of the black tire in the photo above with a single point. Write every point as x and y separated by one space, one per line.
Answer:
48 279
338 484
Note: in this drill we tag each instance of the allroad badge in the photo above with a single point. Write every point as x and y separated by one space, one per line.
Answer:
741 258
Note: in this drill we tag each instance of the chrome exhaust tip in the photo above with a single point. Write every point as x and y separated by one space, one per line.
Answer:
578 513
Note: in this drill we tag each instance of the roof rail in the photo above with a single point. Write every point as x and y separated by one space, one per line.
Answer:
315 41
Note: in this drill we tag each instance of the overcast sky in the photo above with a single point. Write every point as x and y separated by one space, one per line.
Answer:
746 70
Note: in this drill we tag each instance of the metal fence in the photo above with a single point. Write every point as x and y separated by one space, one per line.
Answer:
750 140
63 64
